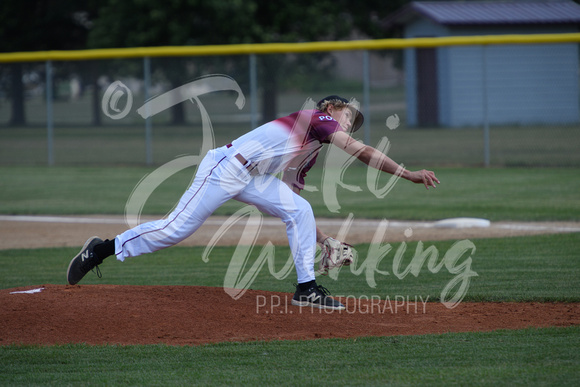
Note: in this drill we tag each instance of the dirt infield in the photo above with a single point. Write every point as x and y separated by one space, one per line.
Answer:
18 232
192 315
189 315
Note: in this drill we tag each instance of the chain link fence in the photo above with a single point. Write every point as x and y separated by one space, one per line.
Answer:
458 106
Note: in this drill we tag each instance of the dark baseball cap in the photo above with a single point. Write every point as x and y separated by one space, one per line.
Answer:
352 105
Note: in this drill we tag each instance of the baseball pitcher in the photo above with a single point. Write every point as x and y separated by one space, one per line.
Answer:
244 170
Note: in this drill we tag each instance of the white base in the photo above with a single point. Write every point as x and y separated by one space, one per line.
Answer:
462 223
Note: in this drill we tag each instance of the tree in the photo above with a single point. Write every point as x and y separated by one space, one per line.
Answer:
147 23
142 23
61 24
368 14
294 21
38 25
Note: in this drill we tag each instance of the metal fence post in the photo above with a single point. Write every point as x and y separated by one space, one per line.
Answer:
366 97
253 92
148 123
49 114
485 108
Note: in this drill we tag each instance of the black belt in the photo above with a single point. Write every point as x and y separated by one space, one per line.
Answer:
249 165
241 159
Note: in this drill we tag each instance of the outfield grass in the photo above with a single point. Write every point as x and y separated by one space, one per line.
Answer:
495 194
113 145
536 268
532 357
539 269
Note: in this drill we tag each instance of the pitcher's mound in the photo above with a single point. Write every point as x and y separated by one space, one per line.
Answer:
188 315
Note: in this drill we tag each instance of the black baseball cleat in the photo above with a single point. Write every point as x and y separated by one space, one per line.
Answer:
316 296
84 261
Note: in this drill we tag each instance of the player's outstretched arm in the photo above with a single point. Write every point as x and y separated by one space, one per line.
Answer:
378 160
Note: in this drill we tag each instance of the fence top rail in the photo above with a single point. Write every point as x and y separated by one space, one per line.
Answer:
277 48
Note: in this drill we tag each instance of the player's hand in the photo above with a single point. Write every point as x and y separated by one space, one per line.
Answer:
425 177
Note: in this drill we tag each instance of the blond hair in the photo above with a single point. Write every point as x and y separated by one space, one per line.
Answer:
337 103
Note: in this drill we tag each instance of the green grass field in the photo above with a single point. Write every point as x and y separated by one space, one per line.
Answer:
125 145
531 357
541 194
541 269
538 269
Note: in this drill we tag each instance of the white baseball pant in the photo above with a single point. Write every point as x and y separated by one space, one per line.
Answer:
221 177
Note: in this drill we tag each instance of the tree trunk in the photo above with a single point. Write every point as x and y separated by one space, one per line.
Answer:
269 101
269 89
178 114
17 117
177 111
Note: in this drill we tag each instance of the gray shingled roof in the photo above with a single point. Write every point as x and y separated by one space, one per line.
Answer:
489 12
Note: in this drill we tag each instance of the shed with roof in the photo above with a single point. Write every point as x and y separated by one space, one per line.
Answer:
462 86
